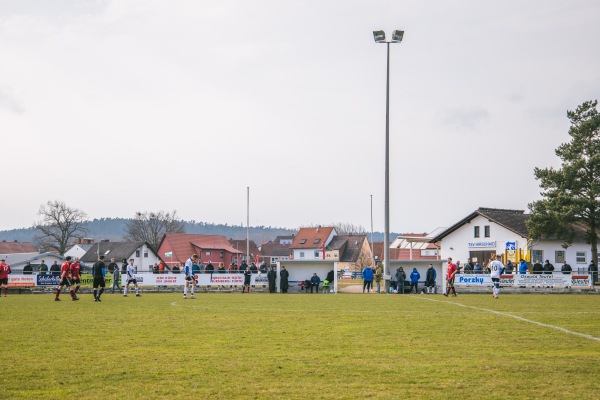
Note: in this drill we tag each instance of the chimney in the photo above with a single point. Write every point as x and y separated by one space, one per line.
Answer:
318 227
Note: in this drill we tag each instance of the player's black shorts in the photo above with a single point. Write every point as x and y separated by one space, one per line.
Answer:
134 281
76 281
450 282
190 278
4 281
65 282
98 281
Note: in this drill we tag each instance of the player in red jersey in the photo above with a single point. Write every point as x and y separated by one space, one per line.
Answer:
76 277
65 279
4 271
452 269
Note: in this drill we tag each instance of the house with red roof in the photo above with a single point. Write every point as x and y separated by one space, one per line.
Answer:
310 243
176 248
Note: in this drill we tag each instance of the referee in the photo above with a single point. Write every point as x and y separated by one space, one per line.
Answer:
98 272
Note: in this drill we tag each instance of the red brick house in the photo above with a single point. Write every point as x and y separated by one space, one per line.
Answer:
176 248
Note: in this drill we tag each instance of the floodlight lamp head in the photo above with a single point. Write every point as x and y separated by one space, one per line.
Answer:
397 36
379 36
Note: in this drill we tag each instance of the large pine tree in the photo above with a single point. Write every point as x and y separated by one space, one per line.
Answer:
571 194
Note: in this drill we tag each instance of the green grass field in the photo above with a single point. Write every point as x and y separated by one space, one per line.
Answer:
301 346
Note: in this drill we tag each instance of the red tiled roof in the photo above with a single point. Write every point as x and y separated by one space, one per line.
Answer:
306 237
183 245
17 247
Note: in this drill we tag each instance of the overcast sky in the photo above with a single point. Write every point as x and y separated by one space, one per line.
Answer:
123 106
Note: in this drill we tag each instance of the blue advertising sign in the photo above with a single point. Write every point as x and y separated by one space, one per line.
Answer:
48 280
511 245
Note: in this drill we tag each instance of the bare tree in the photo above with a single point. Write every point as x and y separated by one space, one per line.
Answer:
151 226
347 228
58 226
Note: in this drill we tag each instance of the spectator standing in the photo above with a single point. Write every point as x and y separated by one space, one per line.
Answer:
272 277
131 279
458 267
43 268
263 268
538 268
401 277
99 272
414 280
548 268
368 278
430 277
477 269
284 276
523 267
566 268
190 277
508 268
314 282
378 275
55 269
27 269
450 275
112 265
469 266
593 271
496 267
176 269
221 269
116 283
4 271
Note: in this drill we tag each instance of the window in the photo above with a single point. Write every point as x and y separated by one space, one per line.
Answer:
559 256
537 255
145 253
580 257
316 253
222 254
301 254
317 240
486 231
302 241
476 231
137 253
208 253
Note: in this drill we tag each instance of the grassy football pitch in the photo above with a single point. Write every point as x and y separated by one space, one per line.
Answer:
301 346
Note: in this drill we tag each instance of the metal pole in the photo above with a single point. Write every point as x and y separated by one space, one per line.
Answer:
248 225
372 249
386 234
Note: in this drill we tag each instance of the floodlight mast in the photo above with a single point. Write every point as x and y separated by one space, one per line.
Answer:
379 37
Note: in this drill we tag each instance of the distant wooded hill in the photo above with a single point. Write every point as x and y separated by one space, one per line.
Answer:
114 229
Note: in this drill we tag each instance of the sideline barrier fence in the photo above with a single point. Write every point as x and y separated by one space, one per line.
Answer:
216 279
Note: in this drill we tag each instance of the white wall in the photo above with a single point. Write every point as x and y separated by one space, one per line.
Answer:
143 264
300 271
75 251
550 247
309 254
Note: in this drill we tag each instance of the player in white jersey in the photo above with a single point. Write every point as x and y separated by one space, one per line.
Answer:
190 279
131 279
496 268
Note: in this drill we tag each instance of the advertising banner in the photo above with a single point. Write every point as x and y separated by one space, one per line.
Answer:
21 280
541 280
48 280
87 280
215 279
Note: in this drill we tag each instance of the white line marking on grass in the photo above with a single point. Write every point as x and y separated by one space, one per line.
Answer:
558 328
